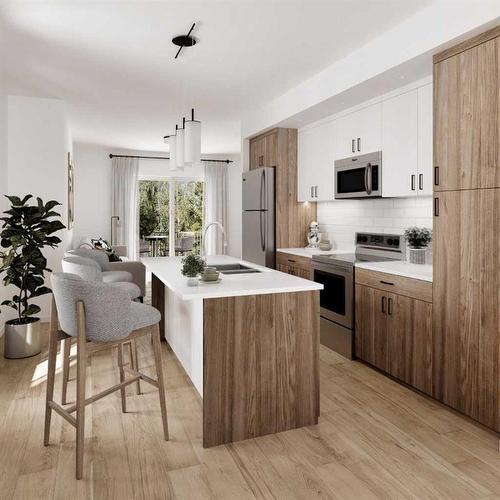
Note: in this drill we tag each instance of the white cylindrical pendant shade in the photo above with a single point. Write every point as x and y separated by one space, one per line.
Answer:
192 142
179 149
170 140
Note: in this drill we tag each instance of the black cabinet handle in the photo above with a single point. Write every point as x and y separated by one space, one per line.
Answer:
421 182
359 143
383 304
291 260
412 182
436 176
352 146
389 307
261 161
312 191
436 207
386 282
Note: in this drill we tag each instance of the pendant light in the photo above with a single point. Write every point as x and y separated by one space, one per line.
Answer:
192 141
171 141
179 146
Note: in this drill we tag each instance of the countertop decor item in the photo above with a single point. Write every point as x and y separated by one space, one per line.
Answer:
192 266
313 235
325 245
26 230
417 238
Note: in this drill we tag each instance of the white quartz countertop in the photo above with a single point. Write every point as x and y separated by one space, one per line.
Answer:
309 252
168 270
401 268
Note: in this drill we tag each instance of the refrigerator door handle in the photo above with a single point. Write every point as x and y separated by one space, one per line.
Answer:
262 190
262 224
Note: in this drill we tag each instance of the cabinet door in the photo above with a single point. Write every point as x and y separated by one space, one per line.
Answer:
399 326
424 140
271 150
466 117
316 164
399 145
466 302
371 326
257 152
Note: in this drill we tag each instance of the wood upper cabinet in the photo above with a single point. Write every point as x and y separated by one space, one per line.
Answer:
278 148
466 292
394 334
466 118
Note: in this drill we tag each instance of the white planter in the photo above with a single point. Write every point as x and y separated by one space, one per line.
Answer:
22 341
417 255
192 281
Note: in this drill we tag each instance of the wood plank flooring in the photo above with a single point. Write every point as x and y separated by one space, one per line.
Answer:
375 439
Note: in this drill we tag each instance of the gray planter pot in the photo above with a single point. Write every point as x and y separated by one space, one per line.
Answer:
22 341
417 255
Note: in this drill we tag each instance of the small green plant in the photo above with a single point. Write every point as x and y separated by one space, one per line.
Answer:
418 237
192 265
25 232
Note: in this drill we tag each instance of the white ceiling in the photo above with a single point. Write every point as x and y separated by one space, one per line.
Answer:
113 62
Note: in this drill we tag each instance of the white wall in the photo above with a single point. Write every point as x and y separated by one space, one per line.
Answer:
38 141
339 220
93 189
3 185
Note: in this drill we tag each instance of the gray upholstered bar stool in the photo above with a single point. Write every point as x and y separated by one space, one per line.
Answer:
100 318
89 270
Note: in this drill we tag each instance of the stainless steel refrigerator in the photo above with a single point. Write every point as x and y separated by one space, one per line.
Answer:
259 225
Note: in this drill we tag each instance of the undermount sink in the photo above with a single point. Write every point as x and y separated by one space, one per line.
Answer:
235 269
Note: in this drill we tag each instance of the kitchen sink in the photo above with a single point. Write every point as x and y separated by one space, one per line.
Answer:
235 269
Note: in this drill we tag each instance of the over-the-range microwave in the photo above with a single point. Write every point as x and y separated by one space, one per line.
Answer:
359 176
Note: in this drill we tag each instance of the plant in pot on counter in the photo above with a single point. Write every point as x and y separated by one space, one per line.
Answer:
418 238
192 266
26 230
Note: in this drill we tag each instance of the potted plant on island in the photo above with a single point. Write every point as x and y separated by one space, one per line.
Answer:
192 266
26 230
418 238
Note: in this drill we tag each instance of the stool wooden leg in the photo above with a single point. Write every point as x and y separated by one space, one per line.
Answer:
122 378
66 352
155 334
51 372
134 361
81 369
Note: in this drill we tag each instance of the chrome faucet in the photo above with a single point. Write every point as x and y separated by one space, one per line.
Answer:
224 239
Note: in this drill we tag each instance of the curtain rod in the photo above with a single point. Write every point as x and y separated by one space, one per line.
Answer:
111 155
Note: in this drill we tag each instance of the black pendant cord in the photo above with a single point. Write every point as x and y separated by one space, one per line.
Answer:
111 155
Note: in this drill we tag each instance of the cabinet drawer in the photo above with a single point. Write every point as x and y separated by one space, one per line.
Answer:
294 261
409 287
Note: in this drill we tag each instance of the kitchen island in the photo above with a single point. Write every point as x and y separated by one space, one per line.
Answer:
250 345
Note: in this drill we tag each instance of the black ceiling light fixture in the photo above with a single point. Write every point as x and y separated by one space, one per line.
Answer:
184 41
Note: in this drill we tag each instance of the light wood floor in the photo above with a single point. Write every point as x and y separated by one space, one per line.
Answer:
375 439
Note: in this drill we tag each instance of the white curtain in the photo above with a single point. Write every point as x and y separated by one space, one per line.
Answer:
124 204
215 205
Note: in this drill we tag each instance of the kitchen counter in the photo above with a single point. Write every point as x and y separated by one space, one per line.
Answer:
400 268
227 335
309 252
168 270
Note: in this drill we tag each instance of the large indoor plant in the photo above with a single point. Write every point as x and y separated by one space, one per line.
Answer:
417 238
26 230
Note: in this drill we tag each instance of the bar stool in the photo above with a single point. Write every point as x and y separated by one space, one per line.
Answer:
100 318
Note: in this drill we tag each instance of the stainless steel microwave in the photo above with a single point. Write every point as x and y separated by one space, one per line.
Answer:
359 176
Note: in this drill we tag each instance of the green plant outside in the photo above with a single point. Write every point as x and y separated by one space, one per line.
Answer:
26 230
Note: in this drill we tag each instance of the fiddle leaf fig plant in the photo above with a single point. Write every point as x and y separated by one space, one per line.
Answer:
26 230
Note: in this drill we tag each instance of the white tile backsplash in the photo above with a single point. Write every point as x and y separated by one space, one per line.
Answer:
339 220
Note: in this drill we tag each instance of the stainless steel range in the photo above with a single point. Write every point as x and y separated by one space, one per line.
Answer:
336 272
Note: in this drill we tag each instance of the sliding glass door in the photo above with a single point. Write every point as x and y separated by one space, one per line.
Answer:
170 217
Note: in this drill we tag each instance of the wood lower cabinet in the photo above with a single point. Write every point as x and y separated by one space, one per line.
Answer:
466 253
466 117
293 264
394 334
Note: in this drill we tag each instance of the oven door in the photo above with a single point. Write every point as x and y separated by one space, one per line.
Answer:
336 298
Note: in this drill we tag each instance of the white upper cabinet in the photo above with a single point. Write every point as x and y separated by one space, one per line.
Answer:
358 133
399 145
425 161
315 163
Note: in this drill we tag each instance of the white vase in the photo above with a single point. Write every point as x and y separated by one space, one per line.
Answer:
192 281
417 255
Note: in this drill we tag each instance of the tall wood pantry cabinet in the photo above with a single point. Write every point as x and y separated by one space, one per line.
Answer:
466 248
278 148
